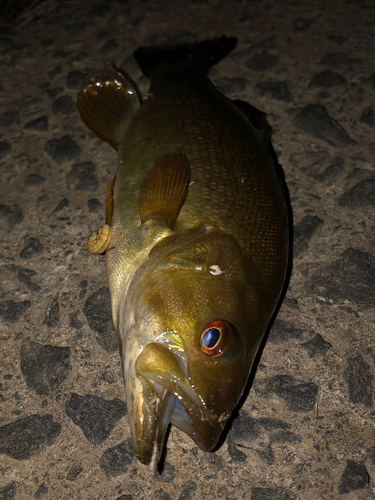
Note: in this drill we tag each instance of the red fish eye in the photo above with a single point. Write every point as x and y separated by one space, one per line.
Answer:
211 339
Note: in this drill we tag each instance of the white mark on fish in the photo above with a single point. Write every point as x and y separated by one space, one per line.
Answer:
224 417
155 457
216 270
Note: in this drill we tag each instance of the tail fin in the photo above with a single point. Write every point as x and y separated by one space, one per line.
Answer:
201 55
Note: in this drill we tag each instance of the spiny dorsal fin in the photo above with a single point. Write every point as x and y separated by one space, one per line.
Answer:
106 102
164 189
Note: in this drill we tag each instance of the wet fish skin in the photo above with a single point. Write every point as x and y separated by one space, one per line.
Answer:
163 291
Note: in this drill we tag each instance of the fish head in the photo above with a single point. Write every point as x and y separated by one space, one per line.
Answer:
191 330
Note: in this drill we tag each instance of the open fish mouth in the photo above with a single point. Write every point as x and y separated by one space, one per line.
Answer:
168 396
163 408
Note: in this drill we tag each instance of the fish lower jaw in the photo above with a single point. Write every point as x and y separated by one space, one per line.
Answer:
150 426
164 409
155 457
162 393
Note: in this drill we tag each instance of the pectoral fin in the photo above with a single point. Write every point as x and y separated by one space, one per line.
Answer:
106 102
164 189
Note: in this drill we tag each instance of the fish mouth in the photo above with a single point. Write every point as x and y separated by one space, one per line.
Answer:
169 397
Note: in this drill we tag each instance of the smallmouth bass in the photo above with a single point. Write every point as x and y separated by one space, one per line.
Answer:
196 240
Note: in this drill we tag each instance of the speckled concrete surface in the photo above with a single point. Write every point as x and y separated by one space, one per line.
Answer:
306 429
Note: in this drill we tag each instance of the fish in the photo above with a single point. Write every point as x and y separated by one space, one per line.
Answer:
196 239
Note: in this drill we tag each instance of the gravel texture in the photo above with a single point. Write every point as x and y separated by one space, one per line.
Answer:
306 430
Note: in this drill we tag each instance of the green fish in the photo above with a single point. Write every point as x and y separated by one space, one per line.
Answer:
196 240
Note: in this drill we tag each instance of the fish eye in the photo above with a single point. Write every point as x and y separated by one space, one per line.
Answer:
221 339
211 338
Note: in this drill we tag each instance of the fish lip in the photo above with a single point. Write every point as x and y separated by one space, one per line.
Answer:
173 385
176 345
175 380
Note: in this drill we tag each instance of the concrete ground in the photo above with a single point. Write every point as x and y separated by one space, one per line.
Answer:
306 430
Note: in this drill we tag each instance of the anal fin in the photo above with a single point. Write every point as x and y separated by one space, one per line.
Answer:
164 189
106 102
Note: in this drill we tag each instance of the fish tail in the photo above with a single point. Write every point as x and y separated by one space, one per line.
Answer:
198 56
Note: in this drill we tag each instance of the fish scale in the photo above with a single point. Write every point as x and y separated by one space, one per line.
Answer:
226 202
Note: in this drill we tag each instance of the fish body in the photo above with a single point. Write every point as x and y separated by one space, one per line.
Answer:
198 245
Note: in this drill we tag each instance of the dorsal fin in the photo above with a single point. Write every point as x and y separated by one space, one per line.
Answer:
106 102
257 118
259 121
164 189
